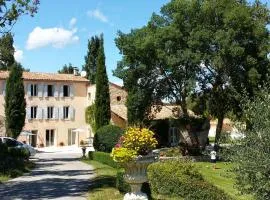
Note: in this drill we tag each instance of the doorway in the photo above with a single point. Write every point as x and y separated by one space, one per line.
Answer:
71 137
33 138
49 137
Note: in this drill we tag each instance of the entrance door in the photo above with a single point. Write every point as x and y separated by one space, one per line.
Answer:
33 138
49 137
71 137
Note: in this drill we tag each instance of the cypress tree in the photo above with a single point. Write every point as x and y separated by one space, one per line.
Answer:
102 102
91 59
15 102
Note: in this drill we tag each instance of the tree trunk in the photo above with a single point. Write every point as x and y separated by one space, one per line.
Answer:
219 127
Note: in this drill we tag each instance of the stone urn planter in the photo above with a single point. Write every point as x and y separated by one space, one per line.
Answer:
135 176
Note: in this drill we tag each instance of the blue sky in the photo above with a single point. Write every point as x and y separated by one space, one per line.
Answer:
59 32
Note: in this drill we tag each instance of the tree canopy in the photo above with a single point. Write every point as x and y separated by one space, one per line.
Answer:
67 69
91 59
15 102
216 48
6 51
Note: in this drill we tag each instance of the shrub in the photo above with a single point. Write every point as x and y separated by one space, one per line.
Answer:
171 179
104 158
90 155
121 184
107 137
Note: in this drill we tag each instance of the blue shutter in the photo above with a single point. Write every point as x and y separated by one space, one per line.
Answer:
40 90
61 91
55 113
45 90
71 90
56 90
29 89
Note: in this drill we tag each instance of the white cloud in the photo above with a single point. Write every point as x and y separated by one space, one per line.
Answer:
55 37
18 54
97 14
72 22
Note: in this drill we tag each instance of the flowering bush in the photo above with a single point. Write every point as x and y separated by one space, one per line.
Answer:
134 142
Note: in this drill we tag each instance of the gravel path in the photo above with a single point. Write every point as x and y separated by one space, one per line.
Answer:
58 175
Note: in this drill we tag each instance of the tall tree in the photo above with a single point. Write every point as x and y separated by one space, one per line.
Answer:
102 101
67 69
15 102
6 51
91 59
11 10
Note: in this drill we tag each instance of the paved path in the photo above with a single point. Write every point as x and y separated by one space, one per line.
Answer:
58 175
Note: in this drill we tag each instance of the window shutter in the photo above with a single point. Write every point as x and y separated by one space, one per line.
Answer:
45 112
56 91
40 90
28 113
29 90
61 91
45 90
61 113
55 113
39 113
4 88
71 113
71 90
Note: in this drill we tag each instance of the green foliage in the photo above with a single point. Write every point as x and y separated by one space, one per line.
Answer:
11 10
66 69
107 137
252 153
104 158
90 116
90 155
178 179
102 101
91 59
121 184
161 130
6 51
15 102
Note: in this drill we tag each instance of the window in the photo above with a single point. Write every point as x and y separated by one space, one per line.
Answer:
50 90
49 112
49 137
66 112
66 91
118 98
34 90
33 112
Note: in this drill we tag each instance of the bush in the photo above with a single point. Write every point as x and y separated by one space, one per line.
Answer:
90 155
172 179
121 184
104 158
107 137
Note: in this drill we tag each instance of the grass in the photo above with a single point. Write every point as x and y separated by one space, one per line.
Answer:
103 186
222 177
4 178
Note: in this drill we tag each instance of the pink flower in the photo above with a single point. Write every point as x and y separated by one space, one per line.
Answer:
117 145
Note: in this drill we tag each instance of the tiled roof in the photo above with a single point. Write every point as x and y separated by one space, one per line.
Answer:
165 112
37 76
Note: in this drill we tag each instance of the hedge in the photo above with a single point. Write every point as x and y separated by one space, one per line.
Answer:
172 179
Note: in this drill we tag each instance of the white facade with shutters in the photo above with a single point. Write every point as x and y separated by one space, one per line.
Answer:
53 128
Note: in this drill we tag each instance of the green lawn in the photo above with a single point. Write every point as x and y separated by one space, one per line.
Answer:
221 177
103 186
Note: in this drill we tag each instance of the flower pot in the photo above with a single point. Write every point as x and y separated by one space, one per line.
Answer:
135 176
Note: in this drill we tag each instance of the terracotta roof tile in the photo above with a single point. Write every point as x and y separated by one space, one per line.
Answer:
46 77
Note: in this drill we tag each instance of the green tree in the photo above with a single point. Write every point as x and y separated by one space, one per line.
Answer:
6 51
66 69
11 10
91 59
252 153
15 102
102 101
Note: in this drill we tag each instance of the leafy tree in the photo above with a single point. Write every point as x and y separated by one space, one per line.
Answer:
15 102
66 69
91 59
11 10
252 153
90 117
102 101
6 51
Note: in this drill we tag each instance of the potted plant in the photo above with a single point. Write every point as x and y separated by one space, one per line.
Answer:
134 153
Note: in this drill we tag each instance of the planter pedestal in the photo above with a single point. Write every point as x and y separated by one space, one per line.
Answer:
135 176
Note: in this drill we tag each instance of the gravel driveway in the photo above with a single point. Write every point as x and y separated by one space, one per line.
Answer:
58 175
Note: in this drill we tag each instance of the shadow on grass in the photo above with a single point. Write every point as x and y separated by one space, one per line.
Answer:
102 182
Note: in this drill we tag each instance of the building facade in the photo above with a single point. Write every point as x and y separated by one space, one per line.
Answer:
55 108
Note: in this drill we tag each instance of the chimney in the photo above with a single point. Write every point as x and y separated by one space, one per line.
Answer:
75 71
